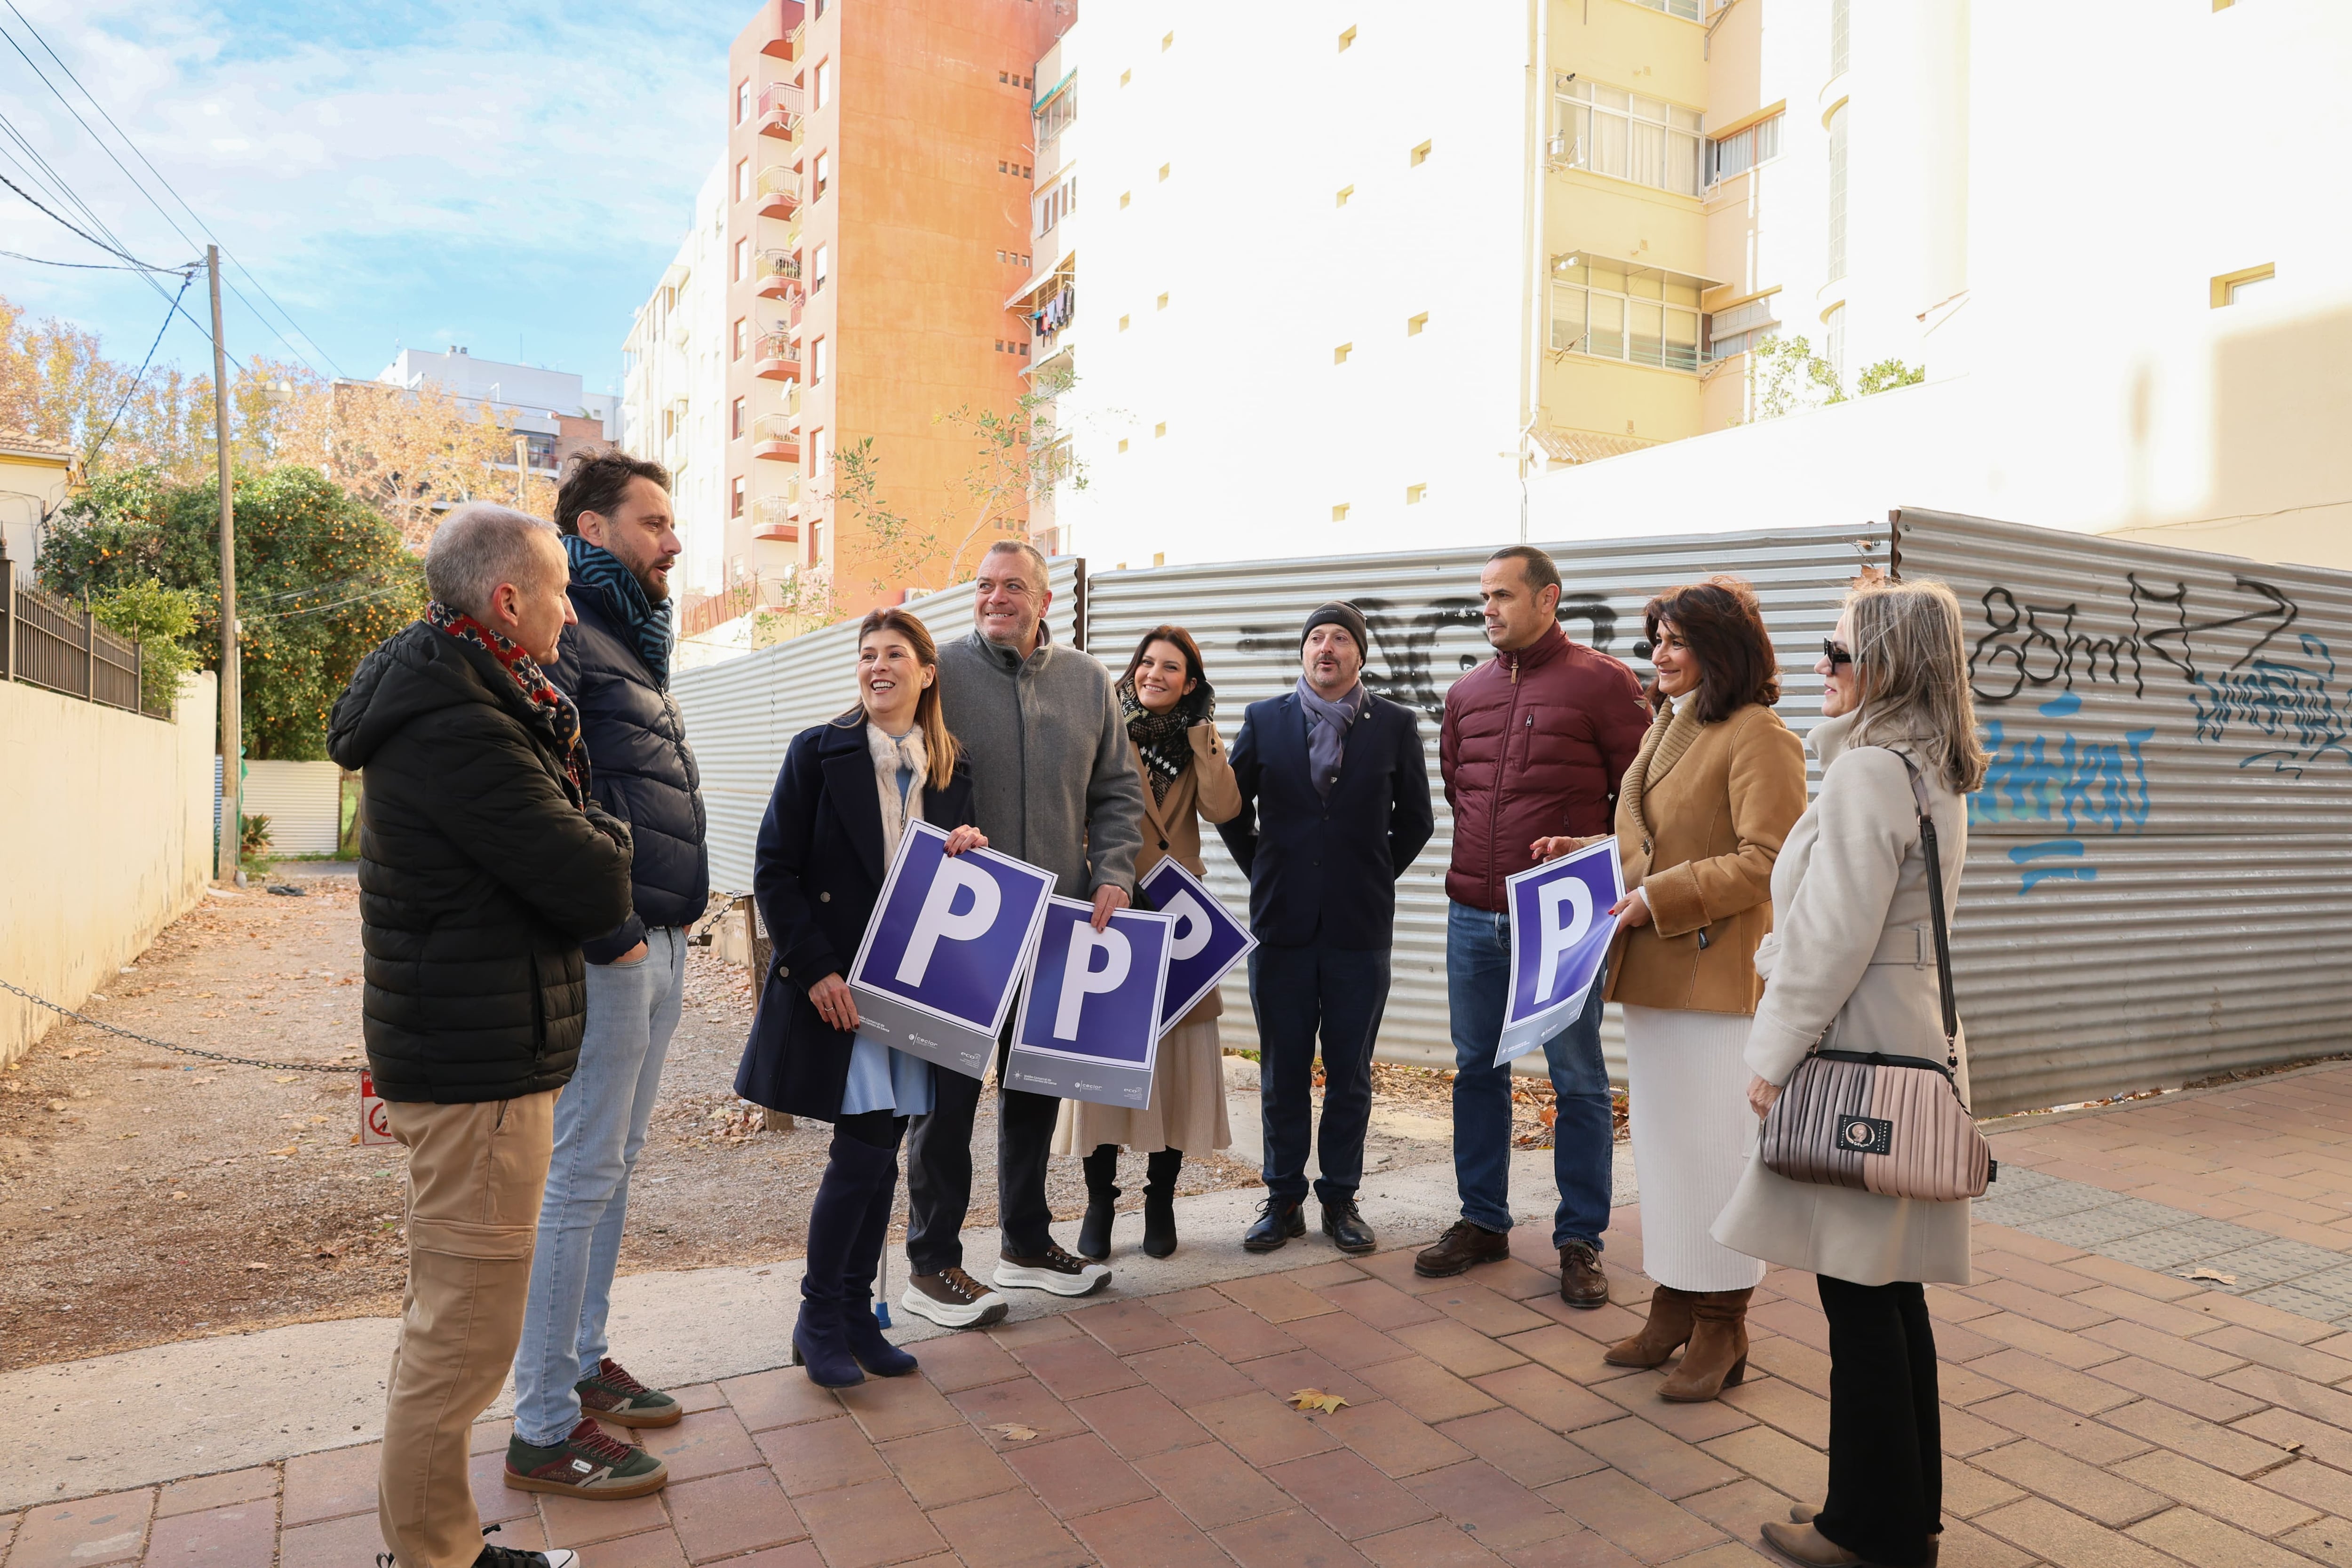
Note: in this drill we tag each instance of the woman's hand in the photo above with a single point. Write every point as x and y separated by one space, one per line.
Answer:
962 839
834 1002
1544 849
1760 1096
1633 910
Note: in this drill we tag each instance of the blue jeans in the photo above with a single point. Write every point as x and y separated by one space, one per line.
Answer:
1477 985
1299 993
600 1127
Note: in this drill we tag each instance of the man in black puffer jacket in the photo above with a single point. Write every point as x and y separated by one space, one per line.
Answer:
614 515
483 866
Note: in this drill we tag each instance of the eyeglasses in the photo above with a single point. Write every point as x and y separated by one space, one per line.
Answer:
1835 653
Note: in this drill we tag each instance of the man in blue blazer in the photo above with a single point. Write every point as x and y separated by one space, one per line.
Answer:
1335 805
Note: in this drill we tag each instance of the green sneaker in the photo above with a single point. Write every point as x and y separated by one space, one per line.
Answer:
611 1395
587 1464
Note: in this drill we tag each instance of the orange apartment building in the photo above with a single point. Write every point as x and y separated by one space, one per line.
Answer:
879 167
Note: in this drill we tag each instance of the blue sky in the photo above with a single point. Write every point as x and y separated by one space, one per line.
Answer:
510 178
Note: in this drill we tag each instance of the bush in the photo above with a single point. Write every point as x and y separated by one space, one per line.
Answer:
253 855
160 619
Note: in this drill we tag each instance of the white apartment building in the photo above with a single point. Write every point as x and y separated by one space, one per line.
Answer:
674 395
551 408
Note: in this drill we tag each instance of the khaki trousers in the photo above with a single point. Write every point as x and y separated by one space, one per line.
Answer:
475 1174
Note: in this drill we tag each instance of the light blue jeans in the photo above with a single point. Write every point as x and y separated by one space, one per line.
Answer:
600 1127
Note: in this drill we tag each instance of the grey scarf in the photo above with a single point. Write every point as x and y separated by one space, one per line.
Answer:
1327 724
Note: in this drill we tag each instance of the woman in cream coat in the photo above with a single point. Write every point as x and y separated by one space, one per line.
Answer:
1849 966
1171 733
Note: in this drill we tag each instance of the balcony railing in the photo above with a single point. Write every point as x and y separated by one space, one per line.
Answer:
774 437
776 515
777 358
777 190
780 111
779 275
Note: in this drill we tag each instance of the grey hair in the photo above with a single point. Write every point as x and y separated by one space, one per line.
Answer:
478 546
1912 663
1028 552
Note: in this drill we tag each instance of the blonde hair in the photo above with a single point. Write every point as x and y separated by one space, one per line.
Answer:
939 742
1912 665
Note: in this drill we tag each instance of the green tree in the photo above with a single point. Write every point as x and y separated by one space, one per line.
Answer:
162 620
321 579
1887 374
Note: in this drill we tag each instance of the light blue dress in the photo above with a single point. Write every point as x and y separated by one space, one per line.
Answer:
883 1078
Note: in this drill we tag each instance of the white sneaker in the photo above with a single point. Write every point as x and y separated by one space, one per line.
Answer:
1057 1271
954 1300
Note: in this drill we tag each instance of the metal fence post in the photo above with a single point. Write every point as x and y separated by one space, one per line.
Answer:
88 651
7 615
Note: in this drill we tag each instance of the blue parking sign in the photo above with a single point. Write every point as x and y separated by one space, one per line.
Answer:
1207 940
1089 1024
1560 933
936 973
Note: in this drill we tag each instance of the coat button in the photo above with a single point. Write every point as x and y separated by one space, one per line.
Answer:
782 972
824 898
1163 844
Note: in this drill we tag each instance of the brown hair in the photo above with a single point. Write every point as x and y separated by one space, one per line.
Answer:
1911 656
596 480
1720 622
1176 637
938 743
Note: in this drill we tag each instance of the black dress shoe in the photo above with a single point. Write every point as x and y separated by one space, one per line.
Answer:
1344 1224
1278 1219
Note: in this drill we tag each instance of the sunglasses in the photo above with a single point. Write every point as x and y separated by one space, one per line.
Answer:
1835 653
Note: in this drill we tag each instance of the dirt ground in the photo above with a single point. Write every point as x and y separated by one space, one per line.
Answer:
147 1196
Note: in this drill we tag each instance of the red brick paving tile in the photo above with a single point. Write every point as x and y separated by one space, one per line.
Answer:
1550 1398
1783 1405
1345 1492
1346 1340
2325 1487
1521 1280
890 1407
575 1522
1022 1402
781 1398
495 1502
1427 1390
1280 1375
1487 1311
1381 1304
704 1443
2050 1278
2112 1302
1076 1367
1800 1322
1237 1333
2078 1392
1275 1298
8 1533
1396 1267
2090 1441
1692 1423
649 1549
200 1492
2209 1491
1777 1460
2085 1489
2128 1277
1295 1538
2224 1449
1457 1347
1664 1464
948 1467
1532 1244
1437 1543
1033 1331
1148 1534
1127 1327
490 1436
2189 1355
1968 1491
1323 1275
1262 1429
821 1455
2317 1367
1213 1485
2193 1537
862 1526
1011 1530
954 1363
1181 1303
1603 1325
1077 1475
1802 1365
2194 1394
1139 1421
2321 1403
1632 1515
328 1485
798 1554
1579 1548
730 1514
1496 1510
2329 1445
1399 1443
1965 1546
1966 1433
2254 1315
1737 1509
1189 1374
1529 1454
241 1535
347 1542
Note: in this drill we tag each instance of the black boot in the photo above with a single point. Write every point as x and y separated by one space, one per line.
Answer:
1159 1202
860 1326
820 1341
1094 1231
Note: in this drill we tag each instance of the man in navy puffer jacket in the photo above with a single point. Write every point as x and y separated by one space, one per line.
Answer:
613 513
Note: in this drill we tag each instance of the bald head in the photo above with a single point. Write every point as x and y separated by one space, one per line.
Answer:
505 569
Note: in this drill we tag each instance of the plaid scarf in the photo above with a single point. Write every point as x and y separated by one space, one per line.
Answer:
1160 738
648 623
562 717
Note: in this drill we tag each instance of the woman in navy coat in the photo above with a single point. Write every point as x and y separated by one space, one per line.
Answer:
847 789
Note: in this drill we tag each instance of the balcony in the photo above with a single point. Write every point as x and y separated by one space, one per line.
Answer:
778 191
777 358
776 517
779 275
773 437
780 111
791 412
785 26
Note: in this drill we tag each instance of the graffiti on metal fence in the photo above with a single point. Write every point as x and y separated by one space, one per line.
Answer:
1402 665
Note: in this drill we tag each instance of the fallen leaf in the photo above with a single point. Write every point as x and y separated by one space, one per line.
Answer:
1013 1431
257 1269
2292 1447
2213 1274
287 1153
1547 1115
290 1078
179 1198
1315 1399
80 1051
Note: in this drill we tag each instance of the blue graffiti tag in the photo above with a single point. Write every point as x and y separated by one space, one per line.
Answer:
2086 782
2025 853
2287 703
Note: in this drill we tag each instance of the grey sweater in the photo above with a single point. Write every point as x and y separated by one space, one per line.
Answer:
1053 782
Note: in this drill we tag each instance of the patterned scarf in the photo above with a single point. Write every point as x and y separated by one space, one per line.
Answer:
1160 738
648 623
562 717
892 757
1327 724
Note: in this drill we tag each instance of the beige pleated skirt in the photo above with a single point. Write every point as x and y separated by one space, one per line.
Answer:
1188 1101
1686 1085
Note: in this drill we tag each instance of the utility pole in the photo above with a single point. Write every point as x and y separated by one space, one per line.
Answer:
226 853
522 473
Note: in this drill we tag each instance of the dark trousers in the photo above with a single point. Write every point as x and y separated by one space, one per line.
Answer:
938 1168
1301 994
1887 1459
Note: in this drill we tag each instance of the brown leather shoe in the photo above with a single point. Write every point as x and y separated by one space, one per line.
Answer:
1717 1356
1668 1328
1803 1543
1805 1513
1463 1245
1581 1282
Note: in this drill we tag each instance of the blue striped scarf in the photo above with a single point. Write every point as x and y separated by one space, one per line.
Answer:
648 623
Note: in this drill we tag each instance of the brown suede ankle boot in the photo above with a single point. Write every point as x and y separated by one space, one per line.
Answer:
1717 1356
1662 1336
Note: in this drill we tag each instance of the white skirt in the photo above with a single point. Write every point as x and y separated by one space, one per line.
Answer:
1686 1084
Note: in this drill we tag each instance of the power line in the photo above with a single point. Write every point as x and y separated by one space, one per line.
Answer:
37 169
83 266
37 206
132 391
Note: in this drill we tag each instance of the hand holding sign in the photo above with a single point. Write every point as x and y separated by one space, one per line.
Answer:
1560 933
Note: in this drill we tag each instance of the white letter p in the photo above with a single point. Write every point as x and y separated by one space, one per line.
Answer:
939 918
1557 935
1079 980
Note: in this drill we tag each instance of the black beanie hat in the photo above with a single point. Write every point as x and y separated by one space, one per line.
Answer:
1339 613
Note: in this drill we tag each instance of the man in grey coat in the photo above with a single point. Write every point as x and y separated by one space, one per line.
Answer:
1053 783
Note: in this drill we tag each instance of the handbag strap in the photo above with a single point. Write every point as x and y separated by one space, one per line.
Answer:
1935 914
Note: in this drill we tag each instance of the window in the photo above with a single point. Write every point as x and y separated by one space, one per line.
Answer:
1340 512
1612 131
743 180
1421 156
1339 356
1347 42
1055 113
742 102
1840 51
2232 287
1836 269
823 174
818 263
1122 443
1643 316
1054 204
1739 329
823 83
1686 9
742 336
820 356
735 496
1345 192
1743 150
742 260
741 418
1416 325
1415 494
1160 429
820 452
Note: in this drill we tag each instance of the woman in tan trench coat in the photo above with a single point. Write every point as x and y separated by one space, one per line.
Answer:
1171 733
1700 817
1851 966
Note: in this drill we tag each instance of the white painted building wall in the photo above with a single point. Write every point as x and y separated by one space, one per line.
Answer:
676 367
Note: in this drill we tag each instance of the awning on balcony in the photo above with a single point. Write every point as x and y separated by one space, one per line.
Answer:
1063 272
1584 445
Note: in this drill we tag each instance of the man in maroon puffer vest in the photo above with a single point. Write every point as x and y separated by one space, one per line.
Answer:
1534 743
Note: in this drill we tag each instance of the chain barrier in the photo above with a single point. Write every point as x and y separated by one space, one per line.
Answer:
184 1050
